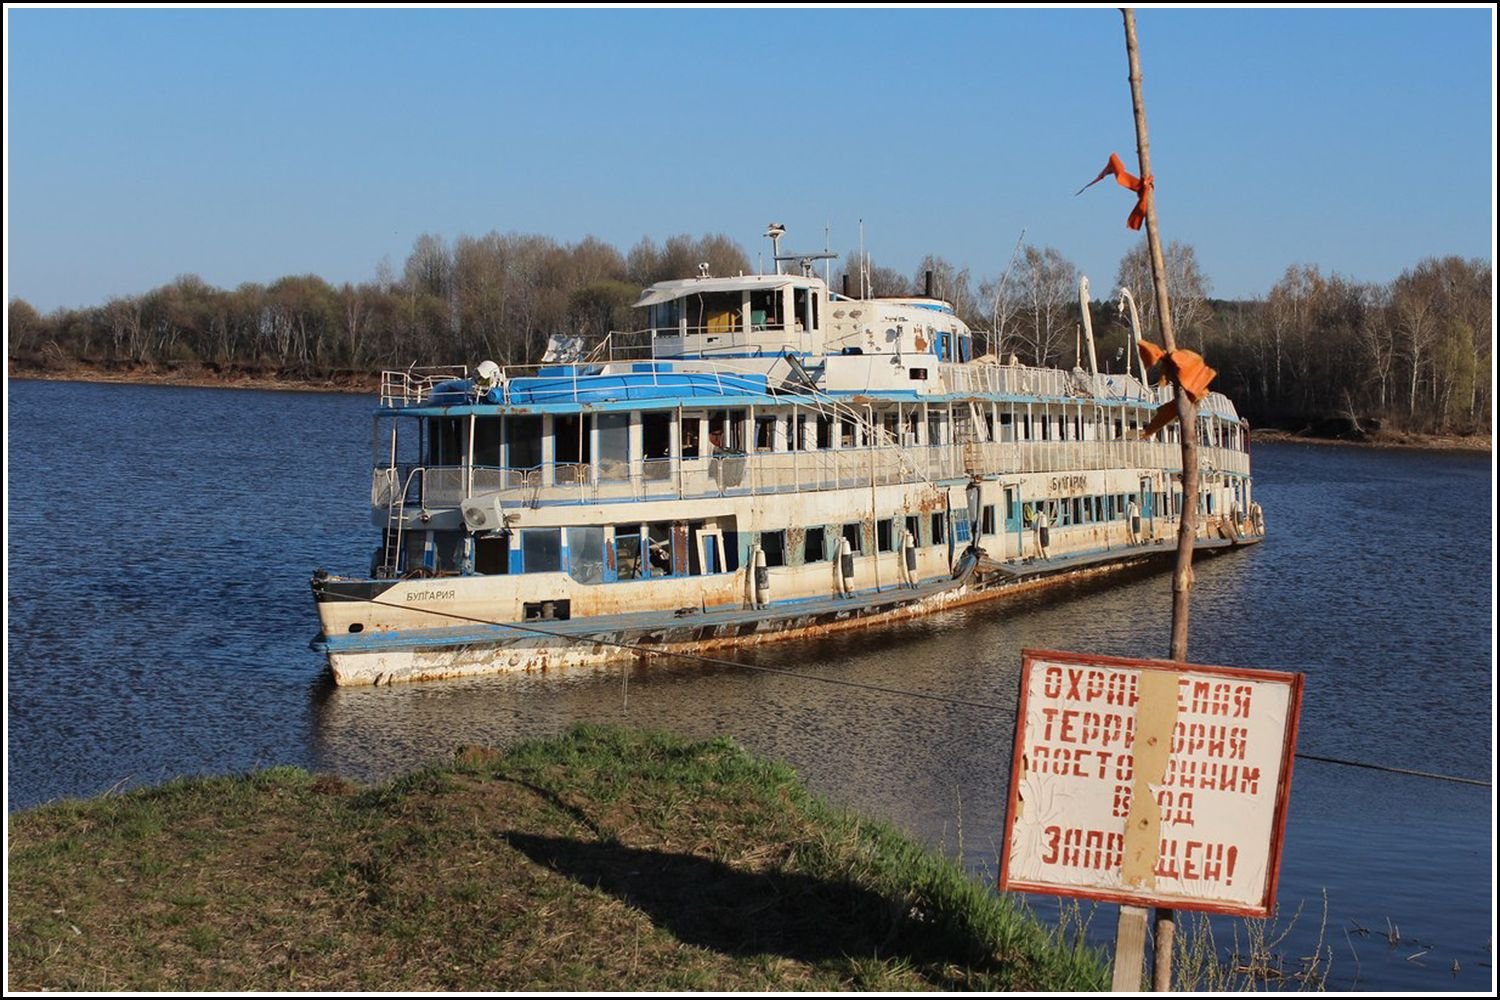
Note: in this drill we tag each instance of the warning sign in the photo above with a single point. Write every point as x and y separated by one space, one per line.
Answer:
1150 782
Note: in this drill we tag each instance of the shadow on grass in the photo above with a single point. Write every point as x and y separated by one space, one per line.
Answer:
712 905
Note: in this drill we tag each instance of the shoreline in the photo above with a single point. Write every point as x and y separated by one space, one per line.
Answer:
197 377
674 865
201 378
1400 440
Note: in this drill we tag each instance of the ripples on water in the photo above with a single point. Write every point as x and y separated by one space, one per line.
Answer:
160 541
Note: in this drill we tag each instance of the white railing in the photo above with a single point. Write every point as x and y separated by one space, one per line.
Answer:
759 473
414 386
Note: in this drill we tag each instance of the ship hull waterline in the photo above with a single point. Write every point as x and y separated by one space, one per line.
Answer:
544 647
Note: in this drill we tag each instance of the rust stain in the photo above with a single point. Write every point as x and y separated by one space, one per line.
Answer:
588 656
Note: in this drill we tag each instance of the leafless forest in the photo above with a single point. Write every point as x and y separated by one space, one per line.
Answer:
1414 353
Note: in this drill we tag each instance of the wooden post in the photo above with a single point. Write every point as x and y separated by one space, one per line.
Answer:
1187 529
1130 950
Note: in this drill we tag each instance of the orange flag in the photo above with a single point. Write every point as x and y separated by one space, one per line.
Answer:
1193 374
1126 180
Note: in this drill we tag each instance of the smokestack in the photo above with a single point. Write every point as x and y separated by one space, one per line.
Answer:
846 286
929 286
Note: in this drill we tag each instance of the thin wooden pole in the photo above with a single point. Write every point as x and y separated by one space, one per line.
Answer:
1187 422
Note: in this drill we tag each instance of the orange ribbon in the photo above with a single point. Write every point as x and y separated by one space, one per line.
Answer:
1191 372
1129 181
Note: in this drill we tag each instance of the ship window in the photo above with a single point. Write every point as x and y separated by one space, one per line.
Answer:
846 433
492 554
799 440
1010 505
627 556
987 519
939 532
854 534
724 430
714 312
814 548
773 544
656 436
765 433
541 550
689 435
800 309
1098 508
487 440
825 432
917 374
1046 427
666 315
765 309
586 554
659 549
444 442
523 440
1077 510
570 432
914 528
614 445
883 535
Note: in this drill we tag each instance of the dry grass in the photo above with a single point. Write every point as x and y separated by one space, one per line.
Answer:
603 860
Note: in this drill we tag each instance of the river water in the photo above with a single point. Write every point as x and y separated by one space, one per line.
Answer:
160 540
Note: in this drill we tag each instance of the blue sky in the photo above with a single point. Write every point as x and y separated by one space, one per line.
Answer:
245 145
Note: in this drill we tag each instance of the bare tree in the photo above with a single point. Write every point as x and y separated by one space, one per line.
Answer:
1187 286
1047 283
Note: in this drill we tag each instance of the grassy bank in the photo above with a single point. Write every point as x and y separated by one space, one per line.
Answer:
605 859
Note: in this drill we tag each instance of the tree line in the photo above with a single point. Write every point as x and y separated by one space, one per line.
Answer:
1415 352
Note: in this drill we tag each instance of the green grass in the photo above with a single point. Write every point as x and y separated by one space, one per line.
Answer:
603 860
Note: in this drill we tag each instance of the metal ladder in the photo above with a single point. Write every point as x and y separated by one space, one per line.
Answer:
971 438
395 522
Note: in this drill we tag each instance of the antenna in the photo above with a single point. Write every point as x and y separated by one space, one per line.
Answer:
864 264
828 249
775 231
804 260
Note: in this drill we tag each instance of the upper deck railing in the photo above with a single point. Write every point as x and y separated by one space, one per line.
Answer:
762 473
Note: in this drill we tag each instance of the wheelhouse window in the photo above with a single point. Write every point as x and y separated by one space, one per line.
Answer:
766 309
714 312
665 316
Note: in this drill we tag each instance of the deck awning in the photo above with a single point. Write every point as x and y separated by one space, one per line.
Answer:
666 291
656 296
